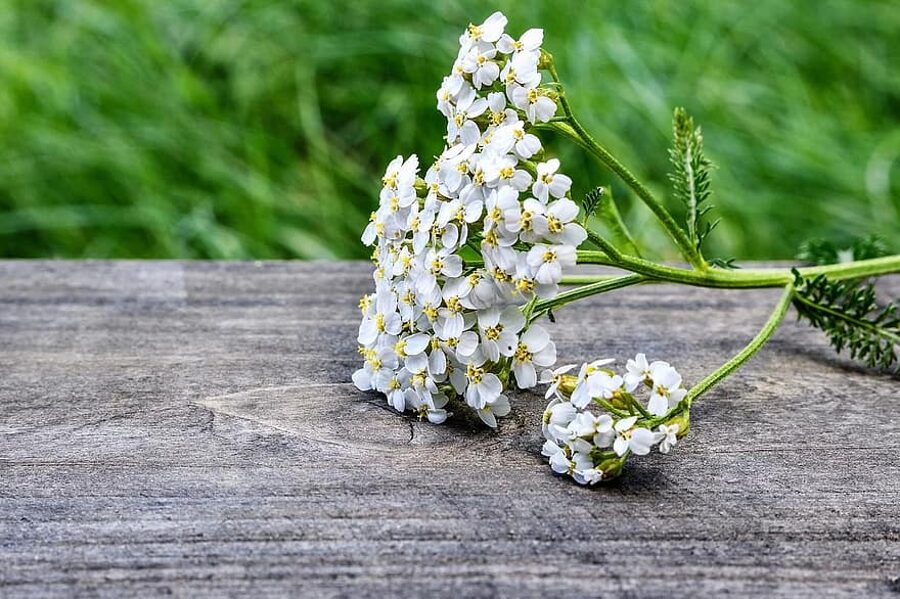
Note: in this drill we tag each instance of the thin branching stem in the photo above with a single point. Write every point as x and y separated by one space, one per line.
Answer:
743 278
749 350
574 130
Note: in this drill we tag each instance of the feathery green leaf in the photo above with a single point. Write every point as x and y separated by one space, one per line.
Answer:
847 311
823 251
690 176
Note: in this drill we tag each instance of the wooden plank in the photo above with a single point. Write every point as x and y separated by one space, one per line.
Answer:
189 428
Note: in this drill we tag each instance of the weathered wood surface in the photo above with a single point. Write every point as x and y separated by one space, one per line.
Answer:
189 428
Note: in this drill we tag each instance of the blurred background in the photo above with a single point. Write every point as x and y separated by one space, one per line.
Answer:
260 129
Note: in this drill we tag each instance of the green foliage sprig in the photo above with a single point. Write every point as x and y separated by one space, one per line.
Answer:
848 312
823 251
690 176
592 201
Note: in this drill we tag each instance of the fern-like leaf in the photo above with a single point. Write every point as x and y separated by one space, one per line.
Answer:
690 176
848 312
592 200
823 251
725 263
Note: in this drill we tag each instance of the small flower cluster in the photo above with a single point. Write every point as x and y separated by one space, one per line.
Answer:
595 421
461 253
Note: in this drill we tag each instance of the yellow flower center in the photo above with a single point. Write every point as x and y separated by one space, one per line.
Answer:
554 224
522 354
453 304
474 373
525 220
430 312
524 285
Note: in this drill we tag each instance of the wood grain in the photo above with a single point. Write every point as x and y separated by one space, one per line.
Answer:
188 429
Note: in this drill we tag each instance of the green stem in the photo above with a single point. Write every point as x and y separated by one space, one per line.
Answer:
743 278
575 131
605 246
585 279
544 306
745 354
612 410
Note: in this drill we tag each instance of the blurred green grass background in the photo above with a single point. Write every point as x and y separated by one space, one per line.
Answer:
251 129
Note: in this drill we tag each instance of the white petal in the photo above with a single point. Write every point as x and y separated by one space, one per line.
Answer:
416 344
535 338
468 343
362 380
658 405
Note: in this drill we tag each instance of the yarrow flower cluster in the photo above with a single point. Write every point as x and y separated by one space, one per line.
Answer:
596 420
463 253
470 251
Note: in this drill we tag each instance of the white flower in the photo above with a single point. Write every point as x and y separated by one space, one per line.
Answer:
489 31
548 261
667 389
411 350
554 379
561 464
498 111
534 349
534 102
586 385
669 437
638 371
400 173
382 318
528 220
376 370
549 182
482 388
501 170
511 137
396 394
637 440
550 448
498 407
602 431
590 476
460 124
521 71
530 41
499 331
479 62
560 228
454 166
556 419
437 327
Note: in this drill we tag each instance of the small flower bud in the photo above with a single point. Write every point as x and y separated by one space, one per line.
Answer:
545 60
567 384
683 421
611 466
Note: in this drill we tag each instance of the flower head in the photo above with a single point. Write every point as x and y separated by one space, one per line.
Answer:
594 424
437 328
